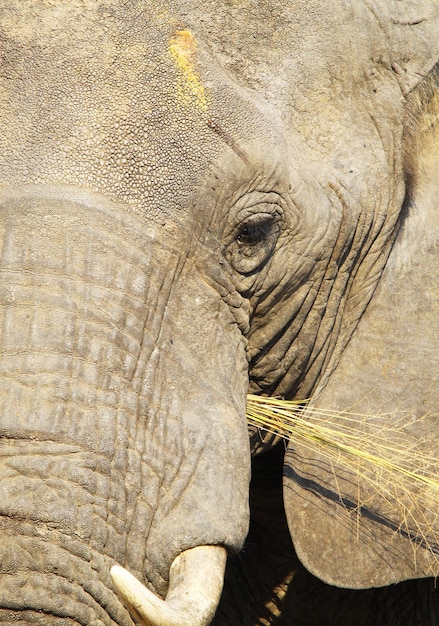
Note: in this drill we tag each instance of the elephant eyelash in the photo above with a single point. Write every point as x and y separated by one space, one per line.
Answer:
255 231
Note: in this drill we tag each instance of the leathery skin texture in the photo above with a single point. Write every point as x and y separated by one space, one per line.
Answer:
198 200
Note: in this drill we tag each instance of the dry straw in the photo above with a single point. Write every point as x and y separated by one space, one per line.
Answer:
386 453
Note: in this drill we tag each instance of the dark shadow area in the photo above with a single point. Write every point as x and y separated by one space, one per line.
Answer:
309 602
268 554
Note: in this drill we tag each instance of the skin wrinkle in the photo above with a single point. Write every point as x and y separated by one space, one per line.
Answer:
26 273
380 239
310 369
152 314
163 296
75 591
388 65
78 588
121 332
109 343
33 617
289 344
70 402
292 323
49 523
326 333
322 354
354 318
230 296
57 570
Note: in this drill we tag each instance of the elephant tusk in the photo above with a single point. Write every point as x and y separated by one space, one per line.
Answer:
195 584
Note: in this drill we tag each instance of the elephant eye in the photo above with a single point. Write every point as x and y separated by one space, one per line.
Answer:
254 242
254 233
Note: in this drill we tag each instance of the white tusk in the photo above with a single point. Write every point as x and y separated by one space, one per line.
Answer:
195 583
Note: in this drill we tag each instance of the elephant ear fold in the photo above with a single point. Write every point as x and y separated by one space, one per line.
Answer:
374 522
411 38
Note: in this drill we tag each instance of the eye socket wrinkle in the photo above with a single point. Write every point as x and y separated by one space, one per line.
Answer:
254 241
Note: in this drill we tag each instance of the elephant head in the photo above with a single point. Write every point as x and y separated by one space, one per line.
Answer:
195 201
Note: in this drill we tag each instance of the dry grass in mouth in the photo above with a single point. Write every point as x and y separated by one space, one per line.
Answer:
383 452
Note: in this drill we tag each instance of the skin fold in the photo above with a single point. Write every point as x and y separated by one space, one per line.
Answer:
198 200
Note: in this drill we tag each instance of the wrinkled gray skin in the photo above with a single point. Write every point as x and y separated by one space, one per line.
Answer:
197 198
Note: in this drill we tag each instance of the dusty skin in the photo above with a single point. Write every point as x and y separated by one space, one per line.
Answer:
198 200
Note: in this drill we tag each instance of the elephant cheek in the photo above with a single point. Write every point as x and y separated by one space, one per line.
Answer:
106 455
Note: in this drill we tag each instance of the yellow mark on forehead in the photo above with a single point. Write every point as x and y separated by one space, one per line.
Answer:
183 50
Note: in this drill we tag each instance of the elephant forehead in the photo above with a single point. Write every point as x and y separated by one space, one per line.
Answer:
113 98
183 49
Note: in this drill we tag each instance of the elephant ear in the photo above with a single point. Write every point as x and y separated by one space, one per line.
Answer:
364 524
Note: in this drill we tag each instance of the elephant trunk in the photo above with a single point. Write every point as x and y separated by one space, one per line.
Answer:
112 429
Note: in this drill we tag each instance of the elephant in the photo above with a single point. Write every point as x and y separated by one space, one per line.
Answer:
199 200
